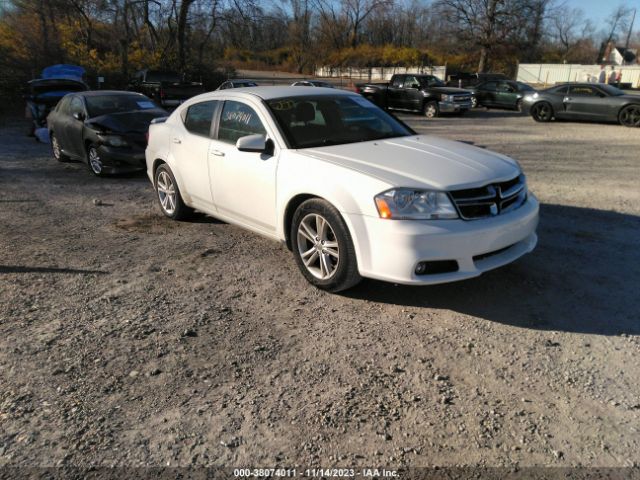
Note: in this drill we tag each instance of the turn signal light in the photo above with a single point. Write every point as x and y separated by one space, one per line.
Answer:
383 208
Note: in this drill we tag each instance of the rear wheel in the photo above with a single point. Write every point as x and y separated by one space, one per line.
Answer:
542 112
630 116
322 246
56 149
431 109
168 194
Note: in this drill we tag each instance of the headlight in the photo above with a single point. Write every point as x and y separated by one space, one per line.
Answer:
410 204
446 98
114 140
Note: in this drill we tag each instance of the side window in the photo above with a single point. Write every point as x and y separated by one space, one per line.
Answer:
76 106
199 116
238 120
397 81
411 82
490 86
582 91
505 87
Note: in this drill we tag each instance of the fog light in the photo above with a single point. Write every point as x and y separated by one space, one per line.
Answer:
421 268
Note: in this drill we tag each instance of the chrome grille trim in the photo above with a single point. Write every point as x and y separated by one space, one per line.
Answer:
490 200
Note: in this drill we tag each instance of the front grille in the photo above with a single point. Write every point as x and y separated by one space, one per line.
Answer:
490 200
461 98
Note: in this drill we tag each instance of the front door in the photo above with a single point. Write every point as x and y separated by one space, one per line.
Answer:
243 183
583 101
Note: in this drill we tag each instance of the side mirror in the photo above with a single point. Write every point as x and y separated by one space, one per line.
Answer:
252 143
78 116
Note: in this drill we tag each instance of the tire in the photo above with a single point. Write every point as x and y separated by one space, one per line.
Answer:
322 246
94 162
168 194
431 109
629 116
56 149
474 101
542 112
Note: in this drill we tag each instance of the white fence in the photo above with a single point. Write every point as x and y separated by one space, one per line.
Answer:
549 74
377 73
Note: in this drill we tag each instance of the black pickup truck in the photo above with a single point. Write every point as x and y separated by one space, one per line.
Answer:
167 89
426 94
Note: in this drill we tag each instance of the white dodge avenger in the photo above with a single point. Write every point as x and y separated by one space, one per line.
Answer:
352 191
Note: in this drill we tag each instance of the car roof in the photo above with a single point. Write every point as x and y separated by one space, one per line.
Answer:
272 92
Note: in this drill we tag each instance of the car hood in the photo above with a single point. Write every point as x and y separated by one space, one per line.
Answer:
421 161
126 122
449 90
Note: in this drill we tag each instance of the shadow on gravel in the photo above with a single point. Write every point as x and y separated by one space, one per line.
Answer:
583 277
17 269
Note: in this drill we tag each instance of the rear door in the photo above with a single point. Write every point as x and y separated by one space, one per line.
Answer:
488 93
243 183
190 144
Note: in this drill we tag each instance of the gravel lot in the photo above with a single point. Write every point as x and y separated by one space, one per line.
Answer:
130 340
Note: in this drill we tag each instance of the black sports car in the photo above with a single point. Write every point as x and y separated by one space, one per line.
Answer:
500 94
106 129
585 101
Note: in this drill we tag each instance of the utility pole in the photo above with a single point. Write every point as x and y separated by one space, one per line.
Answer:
626 45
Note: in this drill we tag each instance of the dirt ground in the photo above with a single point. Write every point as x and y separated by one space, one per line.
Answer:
127 339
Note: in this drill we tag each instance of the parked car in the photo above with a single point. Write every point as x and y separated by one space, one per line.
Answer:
237 83
106 129
312 83
418 93
466 79
500 94
584 101
349 189
44 93
167 89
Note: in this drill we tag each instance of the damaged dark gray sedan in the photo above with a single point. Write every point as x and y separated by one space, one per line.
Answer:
105 129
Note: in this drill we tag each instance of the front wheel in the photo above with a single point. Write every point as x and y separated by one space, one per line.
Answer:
630 116
322 246
94 161
474 102
168 194
431 109
542 112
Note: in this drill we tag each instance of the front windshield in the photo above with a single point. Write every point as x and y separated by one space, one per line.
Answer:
613 91
431 81
316 121
107 104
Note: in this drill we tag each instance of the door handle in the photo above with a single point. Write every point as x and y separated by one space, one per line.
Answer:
176 140
217 153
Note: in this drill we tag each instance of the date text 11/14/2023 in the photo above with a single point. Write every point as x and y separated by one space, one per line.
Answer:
315 473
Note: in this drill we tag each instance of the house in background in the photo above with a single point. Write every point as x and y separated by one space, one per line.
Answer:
612 55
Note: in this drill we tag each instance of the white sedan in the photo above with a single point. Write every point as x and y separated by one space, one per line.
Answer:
352 191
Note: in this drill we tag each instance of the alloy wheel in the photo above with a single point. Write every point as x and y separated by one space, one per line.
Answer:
55 147
318 246
94 161
630 116
166 193
474 102
542 112
430 110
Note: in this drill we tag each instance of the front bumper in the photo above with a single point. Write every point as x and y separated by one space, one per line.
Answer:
122 159
390 250
454 107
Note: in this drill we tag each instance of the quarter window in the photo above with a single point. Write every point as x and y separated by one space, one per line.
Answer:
238 120
582 91
199 116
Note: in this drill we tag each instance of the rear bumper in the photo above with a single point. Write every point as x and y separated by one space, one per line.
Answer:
391 250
